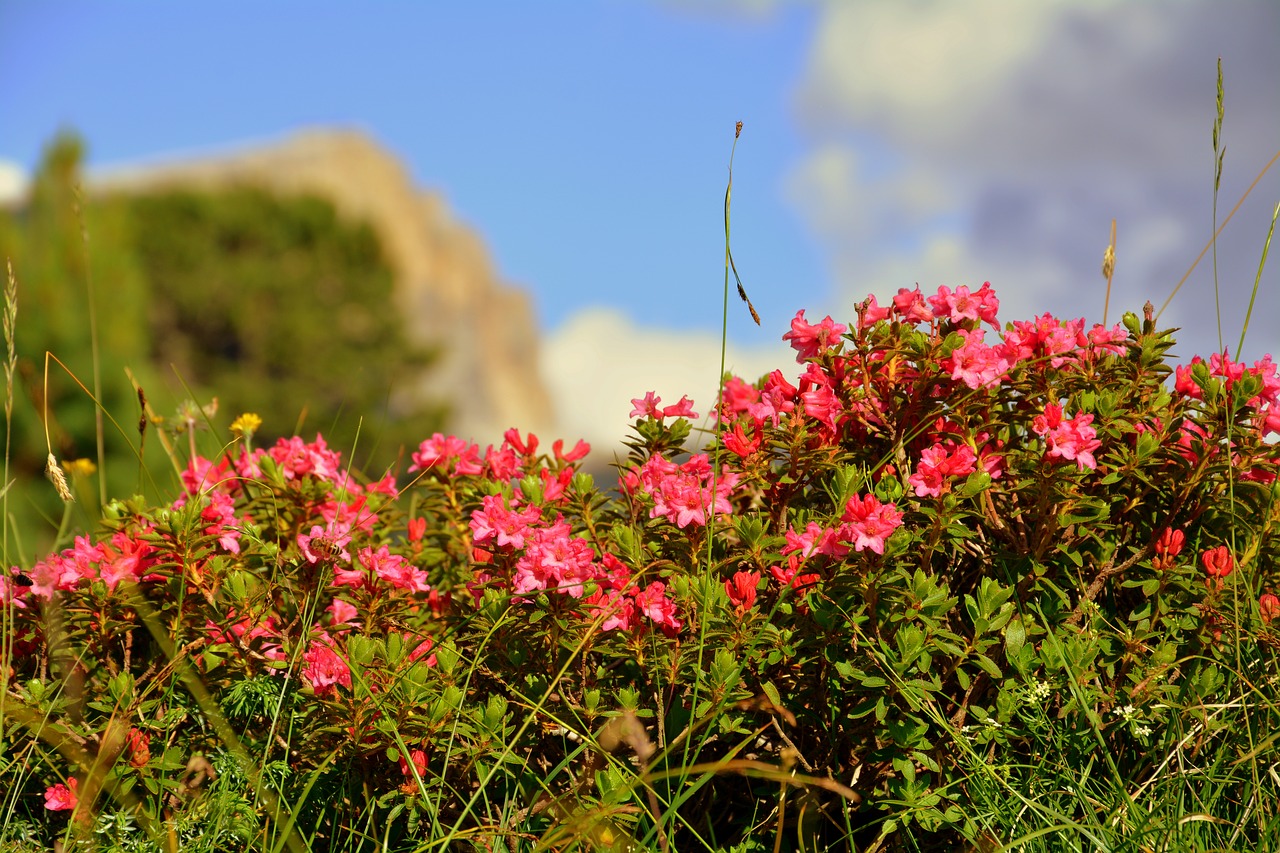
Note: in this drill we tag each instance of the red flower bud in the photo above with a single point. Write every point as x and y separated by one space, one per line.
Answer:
1170 542
1217 562
1268 607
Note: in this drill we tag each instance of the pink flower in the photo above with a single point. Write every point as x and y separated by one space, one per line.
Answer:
682 409
1073 440
321 545
911 307
139 746
554 559
422 649
1168 546
938 464
60 797
495 521
441 450
201 475
297 458
503 463
821 404
646 406
324 666
580 450
1110 340
682 493
809 341
526 449
870 312
963 305
654 604
737 443
776 399
975 363
868 522
394 569
742 589
614 610
343 611
1170 542
127 558
813 540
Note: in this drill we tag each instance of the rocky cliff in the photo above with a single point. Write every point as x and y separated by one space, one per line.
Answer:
447 290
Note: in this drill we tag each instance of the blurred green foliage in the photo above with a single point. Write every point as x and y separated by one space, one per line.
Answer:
271 304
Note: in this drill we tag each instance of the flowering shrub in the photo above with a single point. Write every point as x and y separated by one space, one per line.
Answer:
859 586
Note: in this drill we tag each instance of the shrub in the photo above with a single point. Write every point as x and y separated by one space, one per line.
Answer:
933 573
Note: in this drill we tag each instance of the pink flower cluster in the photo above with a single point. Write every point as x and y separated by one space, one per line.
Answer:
126 556
776 398
938 465
547 557
647 407
442 452
810 341
977 364
324 666
1266 402
682 493
865 525
960 305
381 566
1073 440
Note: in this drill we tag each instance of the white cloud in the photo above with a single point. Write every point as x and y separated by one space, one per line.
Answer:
952 143
599 360
13 182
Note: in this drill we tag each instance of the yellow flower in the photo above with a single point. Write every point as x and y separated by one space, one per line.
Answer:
245 425
80 467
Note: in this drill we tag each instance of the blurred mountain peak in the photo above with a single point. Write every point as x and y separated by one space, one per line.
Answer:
447 289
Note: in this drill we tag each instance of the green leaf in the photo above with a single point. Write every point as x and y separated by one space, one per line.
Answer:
988 666
1015 635
772 693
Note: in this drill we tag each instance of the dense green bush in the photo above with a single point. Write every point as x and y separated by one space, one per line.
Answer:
931 578
274 304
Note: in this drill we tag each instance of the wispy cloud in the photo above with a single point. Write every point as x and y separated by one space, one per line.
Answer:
995 140
599 360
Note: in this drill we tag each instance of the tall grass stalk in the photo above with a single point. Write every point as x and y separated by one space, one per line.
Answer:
94 349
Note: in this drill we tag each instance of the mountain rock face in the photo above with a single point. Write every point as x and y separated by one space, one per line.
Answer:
446 288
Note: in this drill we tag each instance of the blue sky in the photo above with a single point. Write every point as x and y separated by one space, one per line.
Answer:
886 142
587 143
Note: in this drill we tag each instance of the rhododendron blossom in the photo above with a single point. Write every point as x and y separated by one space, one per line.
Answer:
506 526
416 766
324 666
1073 440
321 544
809 340
910 305
962 305
654 604
60 797
868 522
742 589
975 363
938 464
682 493
297 458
